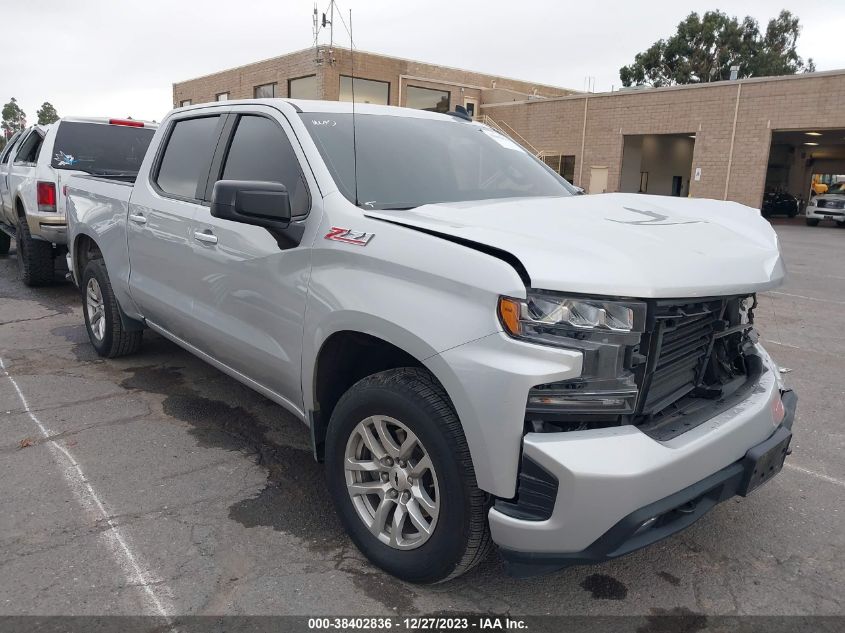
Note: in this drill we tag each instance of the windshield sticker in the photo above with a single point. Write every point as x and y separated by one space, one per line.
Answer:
502 140
324 122
64 160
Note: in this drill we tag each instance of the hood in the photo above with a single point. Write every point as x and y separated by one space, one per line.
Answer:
619 244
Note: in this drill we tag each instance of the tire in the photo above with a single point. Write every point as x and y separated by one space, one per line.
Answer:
5 243
107 333
35 257
812 222
459 537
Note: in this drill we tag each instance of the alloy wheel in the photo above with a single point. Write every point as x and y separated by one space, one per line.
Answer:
95 308
392 482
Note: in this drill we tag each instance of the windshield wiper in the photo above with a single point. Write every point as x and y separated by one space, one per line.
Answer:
387 206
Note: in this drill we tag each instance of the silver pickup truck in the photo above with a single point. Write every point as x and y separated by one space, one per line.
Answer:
481 356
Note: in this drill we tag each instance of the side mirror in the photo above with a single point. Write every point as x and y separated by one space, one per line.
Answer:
251 202
579 191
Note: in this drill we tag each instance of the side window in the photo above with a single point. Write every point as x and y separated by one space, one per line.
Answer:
187 156
30 148
260 150
10 146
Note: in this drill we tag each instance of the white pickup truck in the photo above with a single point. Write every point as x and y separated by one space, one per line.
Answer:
32 174
480 355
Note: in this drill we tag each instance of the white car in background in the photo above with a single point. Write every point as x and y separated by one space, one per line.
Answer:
828 206
31 182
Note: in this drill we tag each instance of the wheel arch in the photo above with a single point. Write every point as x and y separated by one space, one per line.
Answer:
346 355
83 249
20 207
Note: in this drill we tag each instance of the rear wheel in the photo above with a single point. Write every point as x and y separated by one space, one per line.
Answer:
5 243
35 257
102 314
812 222
401 478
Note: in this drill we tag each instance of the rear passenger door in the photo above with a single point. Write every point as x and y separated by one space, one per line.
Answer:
250 285
160 222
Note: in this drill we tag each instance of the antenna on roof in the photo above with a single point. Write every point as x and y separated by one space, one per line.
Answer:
354 138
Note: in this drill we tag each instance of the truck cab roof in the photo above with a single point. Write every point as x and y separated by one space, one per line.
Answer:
325 107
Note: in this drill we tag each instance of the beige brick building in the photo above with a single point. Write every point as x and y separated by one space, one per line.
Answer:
726 140
326 74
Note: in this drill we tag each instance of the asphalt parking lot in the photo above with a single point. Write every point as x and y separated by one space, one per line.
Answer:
154 484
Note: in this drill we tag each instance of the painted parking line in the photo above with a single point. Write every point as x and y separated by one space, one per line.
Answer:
813 473
794 296
782 344
134 571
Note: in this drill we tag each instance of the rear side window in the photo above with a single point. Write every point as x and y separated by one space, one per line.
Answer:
30 147
7 151
260 150
100 148
187 156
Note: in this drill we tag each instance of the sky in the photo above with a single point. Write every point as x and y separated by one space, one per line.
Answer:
121 57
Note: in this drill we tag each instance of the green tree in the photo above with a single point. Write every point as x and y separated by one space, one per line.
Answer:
704 48
14 119
47 114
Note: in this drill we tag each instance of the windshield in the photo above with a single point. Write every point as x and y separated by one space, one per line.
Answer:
100 148
838 188
405 162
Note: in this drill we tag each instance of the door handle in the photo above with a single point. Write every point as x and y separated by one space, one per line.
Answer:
205 238
137 218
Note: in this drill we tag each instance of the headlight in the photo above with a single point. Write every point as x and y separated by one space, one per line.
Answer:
606 331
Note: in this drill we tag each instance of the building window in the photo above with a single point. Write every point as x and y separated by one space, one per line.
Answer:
427 99
184 103
564 165
303 87
366 90
264 91
223 96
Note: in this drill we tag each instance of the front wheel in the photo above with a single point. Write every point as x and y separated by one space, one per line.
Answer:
5 243
812 222
102 314
401 478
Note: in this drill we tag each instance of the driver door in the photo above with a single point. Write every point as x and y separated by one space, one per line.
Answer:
249 286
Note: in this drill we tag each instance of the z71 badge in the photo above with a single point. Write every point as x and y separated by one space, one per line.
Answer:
348 236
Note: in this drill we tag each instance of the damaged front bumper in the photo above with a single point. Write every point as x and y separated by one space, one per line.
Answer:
613 491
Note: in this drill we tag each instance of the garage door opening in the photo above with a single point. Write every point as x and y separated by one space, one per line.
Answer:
803 163
659 164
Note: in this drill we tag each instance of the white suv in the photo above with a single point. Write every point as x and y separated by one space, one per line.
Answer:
32 175
828 206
